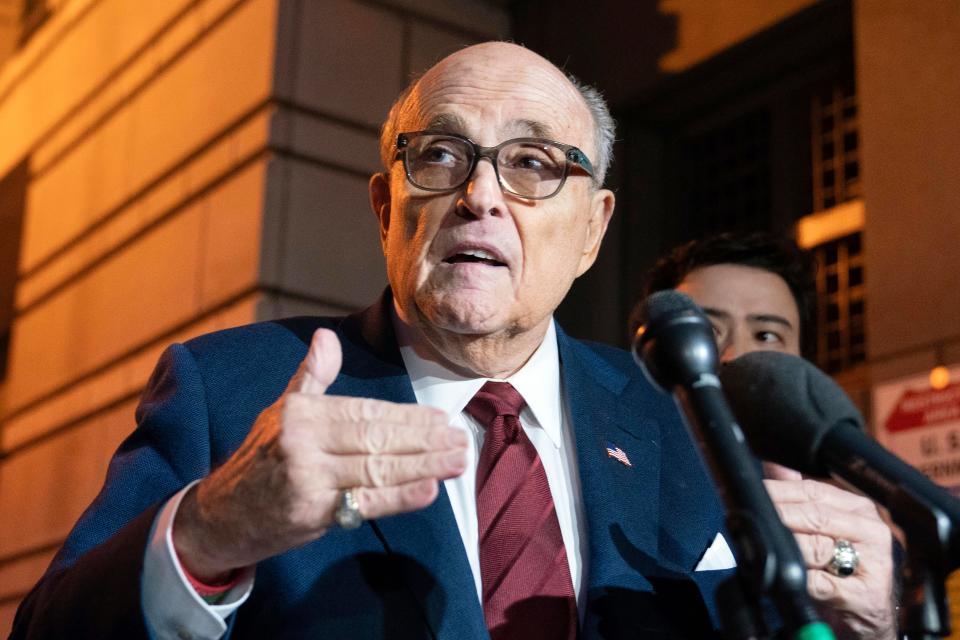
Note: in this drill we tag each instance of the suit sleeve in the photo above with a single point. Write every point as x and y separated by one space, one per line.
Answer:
92 587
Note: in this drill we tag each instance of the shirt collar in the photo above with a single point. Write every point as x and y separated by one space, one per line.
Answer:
538 381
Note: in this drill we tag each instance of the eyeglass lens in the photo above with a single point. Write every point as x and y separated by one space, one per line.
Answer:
530 169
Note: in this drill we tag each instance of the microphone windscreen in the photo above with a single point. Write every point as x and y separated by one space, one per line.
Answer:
665 304
785 406
674 343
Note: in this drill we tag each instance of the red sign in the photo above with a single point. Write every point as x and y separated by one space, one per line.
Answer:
925 408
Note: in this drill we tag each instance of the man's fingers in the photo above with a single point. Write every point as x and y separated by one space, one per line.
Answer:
817 549
381 438
819 514
321 366
823 519
367 426
825 587
387 501
383 471
807 491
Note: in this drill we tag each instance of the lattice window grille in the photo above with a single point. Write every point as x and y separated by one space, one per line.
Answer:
841 336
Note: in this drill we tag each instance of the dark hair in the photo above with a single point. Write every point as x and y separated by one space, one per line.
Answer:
777 254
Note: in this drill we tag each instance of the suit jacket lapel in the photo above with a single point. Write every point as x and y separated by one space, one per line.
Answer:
428 538
621 502
667 487
647 523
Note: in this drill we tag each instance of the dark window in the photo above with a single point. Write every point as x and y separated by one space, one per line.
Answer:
725 182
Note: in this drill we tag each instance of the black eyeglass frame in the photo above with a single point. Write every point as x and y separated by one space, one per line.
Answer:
572 156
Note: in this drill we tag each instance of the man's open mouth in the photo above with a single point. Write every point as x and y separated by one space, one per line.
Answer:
475 255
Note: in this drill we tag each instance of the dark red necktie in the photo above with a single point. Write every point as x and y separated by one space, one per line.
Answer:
527 592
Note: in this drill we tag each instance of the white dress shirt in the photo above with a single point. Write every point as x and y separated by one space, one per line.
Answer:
546 421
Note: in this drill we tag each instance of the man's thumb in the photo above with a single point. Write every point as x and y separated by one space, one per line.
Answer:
321 366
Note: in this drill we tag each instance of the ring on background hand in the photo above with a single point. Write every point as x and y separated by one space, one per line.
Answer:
347 514
845 559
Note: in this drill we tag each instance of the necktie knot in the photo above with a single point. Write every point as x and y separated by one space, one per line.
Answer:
497 400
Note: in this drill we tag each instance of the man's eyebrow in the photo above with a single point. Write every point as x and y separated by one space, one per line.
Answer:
521 128
719 314
770 317
447 122
531 129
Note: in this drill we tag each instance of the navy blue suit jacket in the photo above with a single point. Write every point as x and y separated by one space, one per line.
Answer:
404 576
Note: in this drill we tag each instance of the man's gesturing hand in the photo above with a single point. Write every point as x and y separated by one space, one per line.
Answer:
281 487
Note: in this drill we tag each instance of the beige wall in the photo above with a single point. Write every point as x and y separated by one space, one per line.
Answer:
193 166
908 54
146 132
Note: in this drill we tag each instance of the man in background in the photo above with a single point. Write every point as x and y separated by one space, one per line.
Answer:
758 291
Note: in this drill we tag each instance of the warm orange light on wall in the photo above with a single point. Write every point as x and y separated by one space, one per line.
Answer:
939 377
841 220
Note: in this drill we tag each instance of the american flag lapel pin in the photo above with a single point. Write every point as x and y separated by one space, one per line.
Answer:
617 454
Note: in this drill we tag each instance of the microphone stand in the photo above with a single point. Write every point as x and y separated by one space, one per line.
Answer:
924 609
769 562
924 613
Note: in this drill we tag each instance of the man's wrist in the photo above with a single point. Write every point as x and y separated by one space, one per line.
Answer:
191 548
212 593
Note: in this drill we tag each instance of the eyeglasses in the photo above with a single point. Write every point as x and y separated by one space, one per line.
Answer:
532 168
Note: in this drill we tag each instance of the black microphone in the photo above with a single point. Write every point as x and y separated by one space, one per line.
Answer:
794 414
676 347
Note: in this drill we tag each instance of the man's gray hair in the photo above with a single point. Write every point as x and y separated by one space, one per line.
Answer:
604 127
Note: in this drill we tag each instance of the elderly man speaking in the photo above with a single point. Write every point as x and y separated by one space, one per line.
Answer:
447 463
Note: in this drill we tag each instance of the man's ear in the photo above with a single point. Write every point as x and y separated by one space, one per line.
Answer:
380 201
601 209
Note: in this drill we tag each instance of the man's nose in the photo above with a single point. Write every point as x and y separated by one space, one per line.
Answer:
483 194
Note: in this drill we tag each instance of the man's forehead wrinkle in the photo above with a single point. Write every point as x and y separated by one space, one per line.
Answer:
516 128
518 83
534 114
